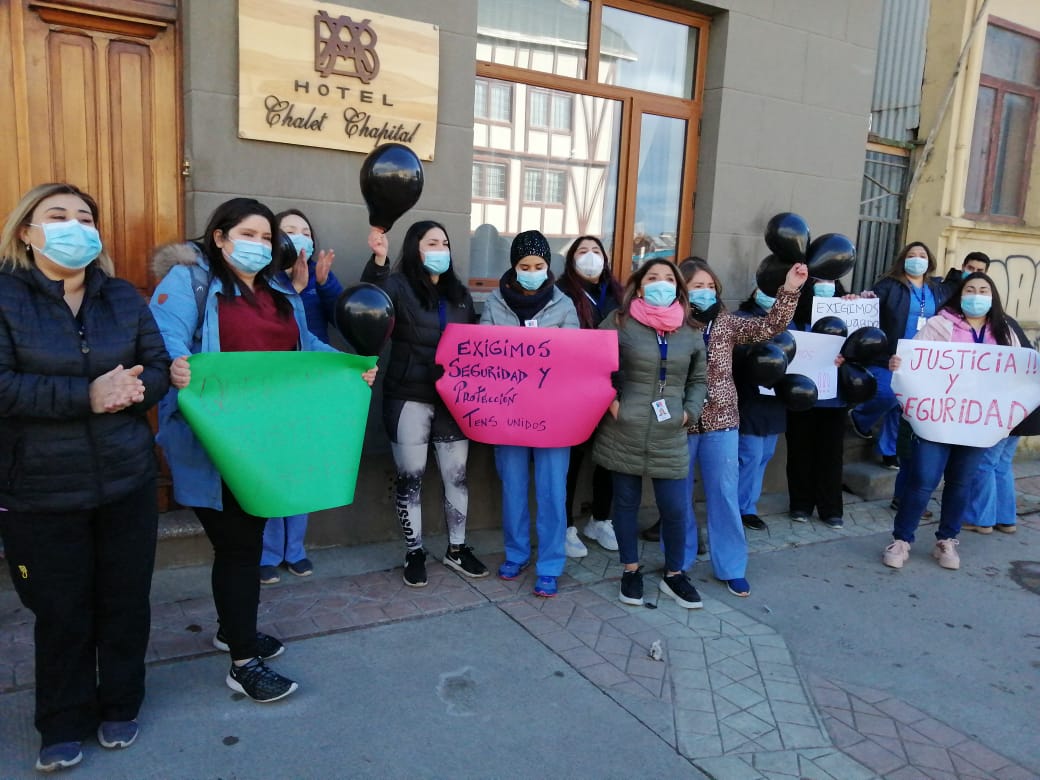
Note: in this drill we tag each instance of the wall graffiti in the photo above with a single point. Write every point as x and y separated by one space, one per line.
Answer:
1016 278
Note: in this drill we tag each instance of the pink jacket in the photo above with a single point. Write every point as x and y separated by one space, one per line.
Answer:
948 326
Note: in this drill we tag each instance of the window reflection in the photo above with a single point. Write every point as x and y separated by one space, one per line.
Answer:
550 36
652 55
659 187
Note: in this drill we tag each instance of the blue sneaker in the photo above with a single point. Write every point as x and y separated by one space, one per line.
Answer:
59 756
510 571
545 587
117 733
739 587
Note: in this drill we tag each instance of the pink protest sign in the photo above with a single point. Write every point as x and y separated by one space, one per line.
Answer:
531 387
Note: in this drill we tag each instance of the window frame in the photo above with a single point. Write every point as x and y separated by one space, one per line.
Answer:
543 172
484 164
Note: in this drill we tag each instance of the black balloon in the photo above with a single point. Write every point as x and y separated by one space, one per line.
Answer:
866 345
830 256
798 392
763 364
284 252
785 340
855 384
365 316
831 326
787 236
771 274
391 183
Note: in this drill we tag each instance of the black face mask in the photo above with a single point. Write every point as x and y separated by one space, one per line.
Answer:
707 315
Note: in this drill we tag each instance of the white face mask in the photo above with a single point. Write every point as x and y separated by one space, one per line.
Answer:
590 265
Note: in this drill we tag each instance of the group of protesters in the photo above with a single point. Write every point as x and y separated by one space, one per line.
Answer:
83 358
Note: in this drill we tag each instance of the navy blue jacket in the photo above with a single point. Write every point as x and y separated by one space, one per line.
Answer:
894 307
760 415
56 454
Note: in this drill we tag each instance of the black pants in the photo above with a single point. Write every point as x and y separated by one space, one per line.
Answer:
815 453
602 485
238 540
86 576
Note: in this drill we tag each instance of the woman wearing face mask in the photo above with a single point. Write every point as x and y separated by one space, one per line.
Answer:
907 295
528 296
81 362
714 439
972 315
427 296
660 391
762 419
816 437
588 282
246 308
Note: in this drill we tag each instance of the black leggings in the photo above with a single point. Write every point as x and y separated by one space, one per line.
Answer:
602 485
238 539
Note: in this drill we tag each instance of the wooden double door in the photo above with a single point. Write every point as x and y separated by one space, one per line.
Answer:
90 95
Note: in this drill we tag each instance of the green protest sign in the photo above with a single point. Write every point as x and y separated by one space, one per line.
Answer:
284 429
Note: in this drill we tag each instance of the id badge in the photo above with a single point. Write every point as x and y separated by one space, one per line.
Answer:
920 322
661 410
530 323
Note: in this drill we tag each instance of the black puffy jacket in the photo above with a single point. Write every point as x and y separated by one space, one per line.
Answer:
413 345
55 454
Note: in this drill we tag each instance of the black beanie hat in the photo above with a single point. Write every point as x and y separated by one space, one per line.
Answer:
529 243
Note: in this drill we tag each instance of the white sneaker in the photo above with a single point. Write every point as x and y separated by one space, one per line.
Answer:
573 547
601 531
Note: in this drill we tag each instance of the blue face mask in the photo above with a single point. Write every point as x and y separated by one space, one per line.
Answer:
532 280
71 244
823 289
249 257
976 305
303 244
763 300
703 298
437 261
915 266
659 293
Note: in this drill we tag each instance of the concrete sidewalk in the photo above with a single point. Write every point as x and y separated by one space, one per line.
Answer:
836 667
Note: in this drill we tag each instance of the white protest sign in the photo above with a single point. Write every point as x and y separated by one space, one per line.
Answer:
857 313
969 394
814 358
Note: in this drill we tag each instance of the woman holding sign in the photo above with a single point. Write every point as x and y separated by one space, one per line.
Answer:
242 306
427 296
587 280
972 315
528 296
81 363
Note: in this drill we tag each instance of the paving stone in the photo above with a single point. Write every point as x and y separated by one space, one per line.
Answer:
877 725
696 722
842 767
795 736
698 745
932 731
791 712
780 690
980 756
876 758
930 756
739 695
747 725
780 762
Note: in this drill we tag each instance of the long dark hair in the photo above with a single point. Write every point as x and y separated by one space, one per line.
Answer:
297 213
897 271
225 217
573 284
635 281
997 321
410 264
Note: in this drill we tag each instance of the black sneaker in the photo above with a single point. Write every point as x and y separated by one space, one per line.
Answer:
631 588
754 522
258 682
415 568
465 562
890 462
267 646
679 587
833 522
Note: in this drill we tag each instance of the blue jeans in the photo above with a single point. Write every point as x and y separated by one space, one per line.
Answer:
930 462
283 540
883 406
716 452
753 455
672 500
993 493
550 487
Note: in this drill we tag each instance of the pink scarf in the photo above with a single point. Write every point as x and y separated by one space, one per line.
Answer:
663 319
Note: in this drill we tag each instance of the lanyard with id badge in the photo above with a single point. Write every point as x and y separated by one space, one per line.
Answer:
660 406
921 318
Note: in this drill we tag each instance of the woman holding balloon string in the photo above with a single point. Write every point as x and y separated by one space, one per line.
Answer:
528 296
427 297
587 280
246 308
319 290
908 295
713 441
973 314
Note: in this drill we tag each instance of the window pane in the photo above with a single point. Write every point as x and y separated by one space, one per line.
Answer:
495 182
978 162
564 185
539 109
561 119
549 36
661 151
475 189
648 54
1012 147
480 96
1011 56
502 102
